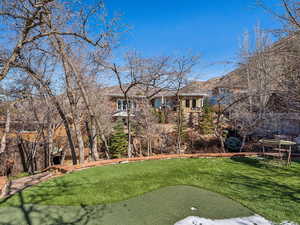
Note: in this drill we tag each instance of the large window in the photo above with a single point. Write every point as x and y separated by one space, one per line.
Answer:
187 103
191 103
194 103
157 103
122 104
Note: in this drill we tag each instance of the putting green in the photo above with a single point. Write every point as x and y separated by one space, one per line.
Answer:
161 207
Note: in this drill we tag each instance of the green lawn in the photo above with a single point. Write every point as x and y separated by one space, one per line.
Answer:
165 206
268 190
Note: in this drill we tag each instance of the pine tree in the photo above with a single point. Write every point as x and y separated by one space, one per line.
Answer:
118 141
206 122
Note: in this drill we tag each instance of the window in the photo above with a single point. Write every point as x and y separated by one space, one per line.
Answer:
157 103
223 90
194 103
187 103
122 105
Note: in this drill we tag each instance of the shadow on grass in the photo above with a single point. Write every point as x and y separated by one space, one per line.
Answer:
16 210
266 189
255 162
270 189
277 166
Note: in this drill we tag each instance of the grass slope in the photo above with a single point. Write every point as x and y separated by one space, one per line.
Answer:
271 191
165 206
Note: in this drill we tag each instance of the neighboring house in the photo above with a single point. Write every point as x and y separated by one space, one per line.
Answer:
191 99
117 103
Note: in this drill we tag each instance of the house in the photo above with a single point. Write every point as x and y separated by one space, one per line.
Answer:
117 103
191 99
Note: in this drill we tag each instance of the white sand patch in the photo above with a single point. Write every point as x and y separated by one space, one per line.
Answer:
252 220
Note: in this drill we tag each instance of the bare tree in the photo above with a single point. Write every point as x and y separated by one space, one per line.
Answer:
147 123
128 78
181 68
64 46
6 129
103 114
28 67
32 22
258 72
27 20
148 76
287 52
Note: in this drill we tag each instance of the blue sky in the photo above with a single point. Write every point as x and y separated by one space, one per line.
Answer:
212 28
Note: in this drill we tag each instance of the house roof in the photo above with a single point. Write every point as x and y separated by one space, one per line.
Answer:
197 88
138 91
234 79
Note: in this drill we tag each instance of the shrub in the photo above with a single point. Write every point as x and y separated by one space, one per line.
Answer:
233 144
118 141
206 122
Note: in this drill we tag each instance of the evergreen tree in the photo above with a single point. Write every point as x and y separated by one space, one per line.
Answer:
206 122
118 141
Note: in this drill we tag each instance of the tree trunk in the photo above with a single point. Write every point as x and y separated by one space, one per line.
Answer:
50 143
150 141
219 129
141 150
69 136
148 146
92 133
6 131
22 155
79 137
62 161
129 151
95 146
243 142
219 135
74 110
222 143
94 140
179 125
